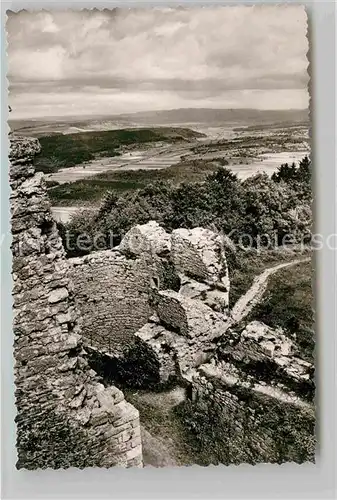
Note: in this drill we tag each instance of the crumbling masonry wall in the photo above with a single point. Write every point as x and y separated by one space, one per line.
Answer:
256 398
183 332
65 415
112 288
158 300
112 293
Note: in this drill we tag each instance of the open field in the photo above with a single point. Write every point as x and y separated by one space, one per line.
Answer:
65 151
150 158
184 155
139 173
92 189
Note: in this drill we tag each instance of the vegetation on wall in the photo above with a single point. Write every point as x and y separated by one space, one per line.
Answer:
288 303
254 432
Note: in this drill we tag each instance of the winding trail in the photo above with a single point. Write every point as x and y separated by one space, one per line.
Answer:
161 448
254 295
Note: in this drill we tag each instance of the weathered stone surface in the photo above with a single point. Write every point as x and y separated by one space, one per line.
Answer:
161 347
199 253
261 397
149 238
181 336
58 295
64 412
142 263
21 152
191 318
262 344
254 420
112 293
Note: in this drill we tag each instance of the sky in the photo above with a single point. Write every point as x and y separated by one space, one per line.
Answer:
109 62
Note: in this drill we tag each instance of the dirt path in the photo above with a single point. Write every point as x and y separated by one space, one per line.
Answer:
161 436
159 432
251 298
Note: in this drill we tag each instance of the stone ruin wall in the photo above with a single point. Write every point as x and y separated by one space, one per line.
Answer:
113 288
165 298
258 392
65 416
111 292
255 424
253 384
260 395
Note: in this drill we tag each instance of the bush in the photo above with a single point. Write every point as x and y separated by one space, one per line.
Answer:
290 173
258 206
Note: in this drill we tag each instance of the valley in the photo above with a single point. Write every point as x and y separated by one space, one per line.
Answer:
83 159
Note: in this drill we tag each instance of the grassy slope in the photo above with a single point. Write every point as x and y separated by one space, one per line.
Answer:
245 265
172 444
288 302
60 151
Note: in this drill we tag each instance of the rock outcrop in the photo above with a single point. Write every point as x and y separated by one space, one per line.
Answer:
150 239
116 291
260 395
65 416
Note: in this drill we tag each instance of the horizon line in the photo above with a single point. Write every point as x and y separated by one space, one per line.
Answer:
157 111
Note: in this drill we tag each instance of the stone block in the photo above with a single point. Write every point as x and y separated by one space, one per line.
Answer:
188 317
99 416
57 295
199 253
150 239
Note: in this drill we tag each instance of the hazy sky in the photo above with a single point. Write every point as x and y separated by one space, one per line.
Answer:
121 61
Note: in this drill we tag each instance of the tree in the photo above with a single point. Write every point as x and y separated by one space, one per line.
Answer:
285 173
304 170
292 173
225 193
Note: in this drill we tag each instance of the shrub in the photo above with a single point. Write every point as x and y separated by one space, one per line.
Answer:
260 205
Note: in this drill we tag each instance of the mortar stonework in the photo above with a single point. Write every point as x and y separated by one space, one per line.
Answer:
65 415
112 293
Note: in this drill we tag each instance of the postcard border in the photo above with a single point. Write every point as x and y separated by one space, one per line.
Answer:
244 481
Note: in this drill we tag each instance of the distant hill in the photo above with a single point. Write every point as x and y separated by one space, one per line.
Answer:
218 116
209 117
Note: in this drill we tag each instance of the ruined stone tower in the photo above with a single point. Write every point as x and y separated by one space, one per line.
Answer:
65 415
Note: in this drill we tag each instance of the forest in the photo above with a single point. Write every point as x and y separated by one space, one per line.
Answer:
266 210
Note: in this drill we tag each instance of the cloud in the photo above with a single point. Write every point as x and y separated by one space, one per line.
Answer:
194 55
